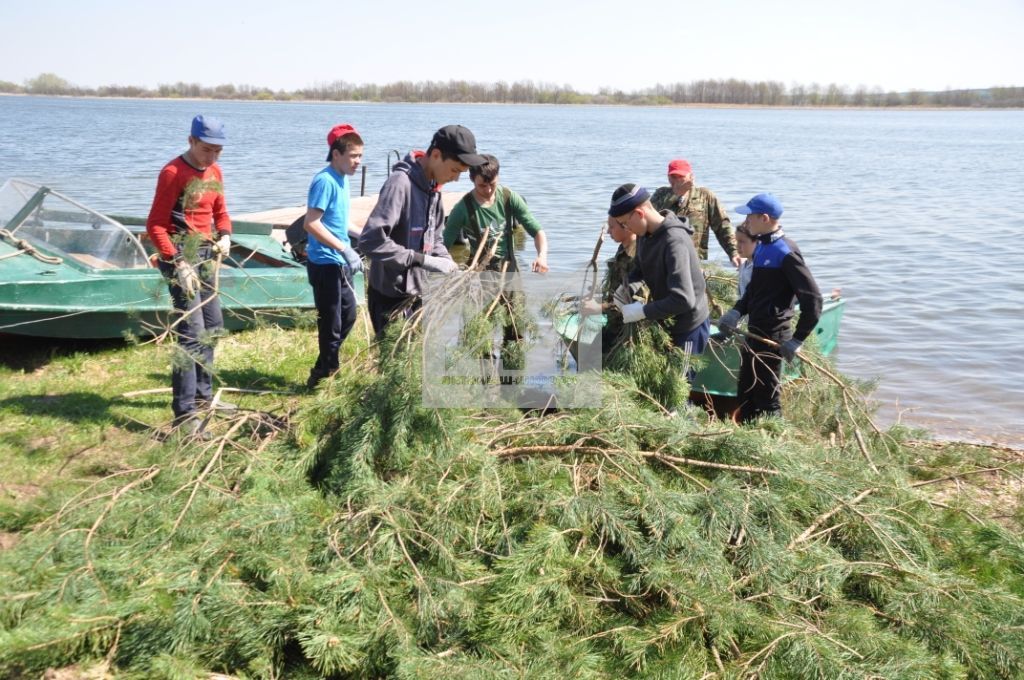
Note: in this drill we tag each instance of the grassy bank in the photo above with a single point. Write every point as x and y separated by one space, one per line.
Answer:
371 538
65 419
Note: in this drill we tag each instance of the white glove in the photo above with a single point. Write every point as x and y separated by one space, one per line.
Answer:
188 278
352 259
432 263
223 245
633 312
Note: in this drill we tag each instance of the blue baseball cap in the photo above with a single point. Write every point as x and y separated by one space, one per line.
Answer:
762 204
209 130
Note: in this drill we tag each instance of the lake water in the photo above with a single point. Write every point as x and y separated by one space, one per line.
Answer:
913 213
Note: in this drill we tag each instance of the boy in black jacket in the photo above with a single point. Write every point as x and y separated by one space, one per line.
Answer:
780 277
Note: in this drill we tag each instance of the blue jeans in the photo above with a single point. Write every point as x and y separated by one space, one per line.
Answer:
200 322
335 312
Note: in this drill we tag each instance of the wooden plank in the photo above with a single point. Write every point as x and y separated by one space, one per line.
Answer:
92 261
359 211
279 217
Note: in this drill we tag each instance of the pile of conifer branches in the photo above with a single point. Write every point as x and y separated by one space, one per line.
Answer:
389 540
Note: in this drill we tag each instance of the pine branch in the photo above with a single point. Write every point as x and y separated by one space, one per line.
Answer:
827 516
519 451
195 484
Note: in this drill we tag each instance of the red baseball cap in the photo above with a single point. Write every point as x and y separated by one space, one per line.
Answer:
680 167
340 130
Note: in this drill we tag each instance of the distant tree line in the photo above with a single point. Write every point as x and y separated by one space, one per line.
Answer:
730 91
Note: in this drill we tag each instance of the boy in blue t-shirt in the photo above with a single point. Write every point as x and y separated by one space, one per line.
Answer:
332 261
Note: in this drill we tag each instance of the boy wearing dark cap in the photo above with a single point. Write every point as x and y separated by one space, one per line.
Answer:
188 224
666 260
404 235
780 277
699 206
331 258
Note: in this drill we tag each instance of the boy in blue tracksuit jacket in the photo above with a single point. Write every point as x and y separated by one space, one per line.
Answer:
780 278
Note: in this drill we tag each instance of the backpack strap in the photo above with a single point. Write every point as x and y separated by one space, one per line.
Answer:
470 206
510 225
474 232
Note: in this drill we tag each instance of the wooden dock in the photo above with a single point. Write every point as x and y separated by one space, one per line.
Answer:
359 211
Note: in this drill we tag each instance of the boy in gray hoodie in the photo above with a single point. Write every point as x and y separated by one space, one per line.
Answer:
404 235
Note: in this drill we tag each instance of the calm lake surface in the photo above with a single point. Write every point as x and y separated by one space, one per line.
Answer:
917 215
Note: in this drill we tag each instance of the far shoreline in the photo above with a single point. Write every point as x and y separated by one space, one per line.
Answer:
694 105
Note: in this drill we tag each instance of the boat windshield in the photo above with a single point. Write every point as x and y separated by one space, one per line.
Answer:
56 223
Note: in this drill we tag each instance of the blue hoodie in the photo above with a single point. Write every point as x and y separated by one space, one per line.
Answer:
406 224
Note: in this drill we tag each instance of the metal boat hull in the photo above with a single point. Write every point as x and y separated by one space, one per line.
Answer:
52 286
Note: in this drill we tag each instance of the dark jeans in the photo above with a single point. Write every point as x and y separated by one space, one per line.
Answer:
382 308
508 289
200 322
335 312
760 383
514 302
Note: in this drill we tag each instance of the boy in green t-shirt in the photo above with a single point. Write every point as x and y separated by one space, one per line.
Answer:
497 207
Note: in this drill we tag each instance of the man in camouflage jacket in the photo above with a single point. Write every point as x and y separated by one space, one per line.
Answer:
700 207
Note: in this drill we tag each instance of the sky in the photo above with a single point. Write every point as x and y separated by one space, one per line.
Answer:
291 44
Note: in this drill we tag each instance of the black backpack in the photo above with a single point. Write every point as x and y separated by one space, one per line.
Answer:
297 238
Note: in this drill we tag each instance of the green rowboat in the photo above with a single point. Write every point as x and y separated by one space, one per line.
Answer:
718 377
722 369
67 271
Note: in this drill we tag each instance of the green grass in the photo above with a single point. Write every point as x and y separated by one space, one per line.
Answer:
64 419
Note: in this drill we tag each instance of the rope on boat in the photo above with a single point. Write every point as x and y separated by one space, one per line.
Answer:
26 247
91 310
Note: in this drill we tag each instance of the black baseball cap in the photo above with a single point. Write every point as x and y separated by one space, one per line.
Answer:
458 141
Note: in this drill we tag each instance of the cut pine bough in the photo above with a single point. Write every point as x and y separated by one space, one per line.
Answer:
378 538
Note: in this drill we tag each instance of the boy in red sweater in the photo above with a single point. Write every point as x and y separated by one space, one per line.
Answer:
189 225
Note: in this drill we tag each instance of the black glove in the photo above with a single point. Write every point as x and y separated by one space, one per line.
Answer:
789 349
727 324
